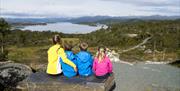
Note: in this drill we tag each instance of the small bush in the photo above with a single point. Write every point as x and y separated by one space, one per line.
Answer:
178 53
4 56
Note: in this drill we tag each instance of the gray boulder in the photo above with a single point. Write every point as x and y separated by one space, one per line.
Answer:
12 73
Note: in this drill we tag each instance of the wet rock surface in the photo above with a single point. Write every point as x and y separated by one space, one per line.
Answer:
12 73
44 82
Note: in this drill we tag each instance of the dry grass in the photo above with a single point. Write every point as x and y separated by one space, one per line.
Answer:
160 56
27 54
36 54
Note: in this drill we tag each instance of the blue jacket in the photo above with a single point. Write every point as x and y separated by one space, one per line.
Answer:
84 63
68 70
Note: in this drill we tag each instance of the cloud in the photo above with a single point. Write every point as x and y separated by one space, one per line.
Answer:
21 15
164 7
76 8
162 10
149 3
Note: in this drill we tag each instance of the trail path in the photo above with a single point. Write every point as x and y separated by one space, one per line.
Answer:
137 46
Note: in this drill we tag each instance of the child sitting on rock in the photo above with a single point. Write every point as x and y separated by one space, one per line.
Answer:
84 61
54 53
68 70
102 65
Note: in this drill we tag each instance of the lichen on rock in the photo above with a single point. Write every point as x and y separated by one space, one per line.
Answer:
12 73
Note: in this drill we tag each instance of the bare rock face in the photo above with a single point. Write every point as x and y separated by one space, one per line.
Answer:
5 62
19 77
12 73
44 82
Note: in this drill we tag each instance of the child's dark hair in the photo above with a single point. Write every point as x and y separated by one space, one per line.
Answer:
68 47
56 39
83 46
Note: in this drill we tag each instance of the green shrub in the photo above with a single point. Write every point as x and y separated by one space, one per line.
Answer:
4 56
178 53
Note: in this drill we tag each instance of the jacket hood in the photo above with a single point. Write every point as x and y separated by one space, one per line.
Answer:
84 56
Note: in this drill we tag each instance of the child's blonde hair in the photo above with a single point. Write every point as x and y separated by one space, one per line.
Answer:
101 51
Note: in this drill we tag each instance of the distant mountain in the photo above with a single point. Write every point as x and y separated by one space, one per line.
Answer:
86 19
156 17
121 19
36 20
89 19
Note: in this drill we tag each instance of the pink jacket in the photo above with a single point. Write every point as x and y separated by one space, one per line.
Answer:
103 67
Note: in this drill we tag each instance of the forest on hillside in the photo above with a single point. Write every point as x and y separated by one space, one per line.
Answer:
118 36
165 33
123 35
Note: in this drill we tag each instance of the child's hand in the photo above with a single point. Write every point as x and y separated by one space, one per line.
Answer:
75 69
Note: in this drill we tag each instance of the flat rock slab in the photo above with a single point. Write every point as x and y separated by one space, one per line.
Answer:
44 82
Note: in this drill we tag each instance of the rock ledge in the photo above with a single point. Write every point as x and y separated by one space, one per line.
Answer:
44 82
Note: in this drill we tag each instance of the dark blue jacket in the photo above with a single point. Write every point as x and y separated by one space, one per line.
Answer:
84 63
68 70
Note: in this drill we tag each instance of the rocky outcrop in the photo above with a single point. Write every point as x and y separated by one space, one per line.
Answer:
5 62
44 82
12 73
19 77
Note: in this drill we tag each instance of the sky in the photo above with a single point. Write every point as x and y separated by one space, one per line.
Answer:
78 8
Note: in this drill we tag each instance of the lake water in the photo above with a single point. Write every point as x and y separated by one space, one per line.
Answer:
146 77
64 27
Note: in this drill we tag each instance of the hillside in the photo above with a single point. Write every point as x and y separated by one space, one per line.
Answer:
121 36
90 19
164 44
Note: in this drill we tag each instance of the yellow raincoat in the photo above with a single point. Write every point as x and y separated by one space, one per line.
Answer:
54 53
